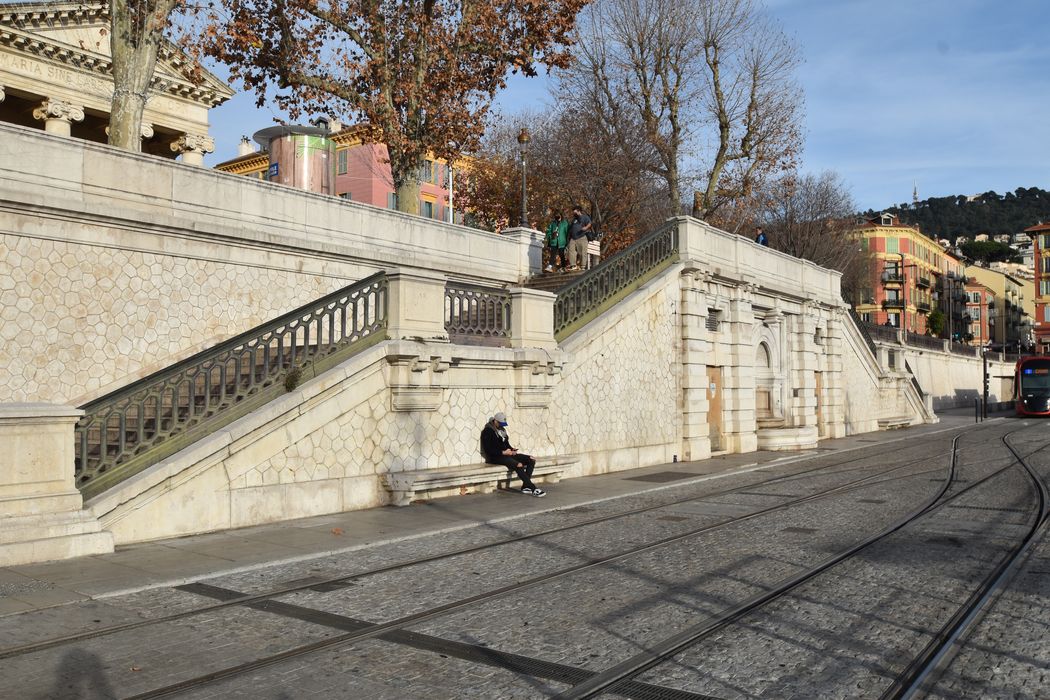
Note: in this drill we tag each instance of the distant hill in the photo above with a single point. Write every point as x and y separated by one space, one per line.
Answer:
947 217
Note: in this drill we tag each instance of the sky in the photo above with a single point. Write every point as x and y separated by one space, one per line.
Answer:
949 96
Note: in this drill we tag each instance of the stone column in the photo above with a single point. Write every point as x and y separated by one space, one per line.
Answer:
41 516
192 148
532 318
416 306
697 353
58 116
530 250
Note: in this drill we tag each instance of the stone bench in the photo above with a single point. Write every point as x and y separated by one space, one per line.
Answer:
408 486
895 422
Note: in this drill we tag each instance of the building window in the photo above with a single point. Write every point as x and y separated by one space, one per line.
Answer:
1045 265
975 313
1044 241
427 209
391 200
340 167
894 319
1044 288
1046 313
866 317
893 245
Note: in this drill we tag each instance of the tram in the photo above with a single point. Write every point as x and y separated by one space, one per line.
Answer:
1032 385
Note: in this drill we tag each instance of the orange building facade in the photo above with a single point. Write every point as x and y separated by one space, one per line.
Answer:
912 276
1040 235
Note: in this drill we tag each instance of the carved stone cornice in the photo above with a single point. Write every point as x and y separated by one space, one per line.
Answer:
24 28
59 111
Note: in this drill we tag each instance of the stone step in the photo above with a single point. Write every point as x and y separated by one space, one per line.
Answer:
552 281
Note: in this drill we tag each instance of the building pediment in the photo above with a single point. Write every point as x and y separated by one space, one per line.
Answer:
75 36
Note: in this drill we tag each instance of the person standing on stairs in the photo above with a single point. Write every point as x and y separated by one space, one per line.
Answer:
557 240
578 232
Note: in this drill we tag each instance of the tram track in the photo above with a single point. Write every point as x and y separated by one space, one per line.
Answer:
381 630
906 684
473 549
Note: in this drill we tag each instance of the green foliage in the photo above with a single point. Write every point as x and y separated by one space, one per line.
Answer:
947 217
989 251
935 323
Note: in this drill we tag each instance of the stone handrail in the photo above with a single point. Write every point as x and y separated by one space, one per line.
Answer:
581 301
127 430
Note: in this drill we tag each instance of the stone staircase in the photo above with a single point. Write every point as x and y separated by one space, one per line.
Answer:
553 281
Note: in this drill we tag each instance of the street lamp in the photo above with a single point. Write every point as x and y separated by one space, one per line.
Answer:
523 144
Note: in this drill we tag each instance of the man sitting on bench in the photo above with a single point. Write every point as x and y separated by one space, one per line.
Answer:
495 445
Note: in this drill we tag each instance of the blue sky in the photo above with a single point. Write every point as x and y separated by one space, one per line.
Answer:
953 95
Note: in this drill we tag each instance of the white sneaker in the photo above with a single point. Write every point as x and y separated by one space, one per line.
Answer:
528 491
540 493
549 268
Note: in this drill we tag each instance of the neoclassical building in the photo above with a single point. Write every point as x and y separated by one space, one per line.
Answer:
55 75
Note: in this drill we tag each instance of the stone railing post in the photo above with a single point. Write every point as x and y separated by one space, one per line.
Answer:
530 250
532 318
416 306
41 511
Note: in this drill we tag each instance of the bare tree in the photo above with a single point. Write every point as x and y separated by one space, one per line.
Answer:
813 217
752 99
635 68
709 82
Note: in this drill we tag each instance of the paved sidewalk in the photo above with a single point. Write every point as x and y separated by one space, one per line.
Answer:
182 560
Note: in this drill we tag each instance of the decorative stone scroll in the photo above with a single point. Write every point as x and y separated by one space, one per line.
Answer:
2 95
57 116
192 148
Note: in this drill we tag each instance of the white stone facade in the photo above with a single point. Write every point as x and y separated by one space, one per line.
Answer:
733 348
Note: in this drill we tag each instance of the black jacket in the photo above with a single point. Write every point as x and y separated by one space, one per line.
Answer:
493 444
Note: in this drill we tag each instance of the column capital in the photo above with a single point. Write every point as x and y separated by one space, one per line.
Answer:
58 115
192 147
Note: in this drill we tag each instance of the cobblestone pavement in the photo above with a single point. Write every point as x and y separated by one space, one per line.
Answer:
843 634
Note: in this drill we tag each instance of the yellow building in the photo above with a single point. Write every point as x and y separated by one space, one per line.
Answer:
1014 309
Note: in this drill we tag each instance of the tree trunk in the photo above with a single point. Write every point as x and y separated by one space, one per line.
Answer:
408 196
134 40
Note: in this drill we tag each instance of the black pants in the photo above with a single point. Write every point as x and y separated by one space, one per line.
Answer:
522 465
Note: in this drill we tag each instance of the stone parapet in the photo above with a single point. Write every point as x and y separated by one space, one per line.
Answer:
41 514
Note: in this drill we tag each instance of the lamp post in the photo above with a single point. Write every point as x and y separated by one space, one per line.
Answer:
523 144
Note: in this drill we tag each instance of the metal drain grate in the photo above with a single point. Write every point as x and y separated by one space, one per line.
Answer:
661 477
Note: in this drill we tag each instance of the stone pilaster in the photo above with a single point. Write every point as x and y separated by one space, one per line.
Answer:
739 378
41 515
192 148
416 306
530 250
58 116
532 318
697 352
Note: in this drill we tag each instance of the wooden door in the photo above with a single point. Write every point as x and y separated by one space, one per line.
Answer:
819 376
714 407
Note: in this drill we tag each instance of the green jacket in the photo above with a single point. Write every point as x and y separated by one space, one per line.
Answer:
557 234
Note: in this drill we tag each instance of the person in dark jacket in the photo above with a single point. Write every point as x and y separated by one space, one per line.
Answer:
760 237
495 445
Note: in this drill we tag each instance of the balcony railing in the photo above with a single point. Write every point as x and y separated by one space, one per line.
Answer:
892 277
477 315
922 281
893 304
923 307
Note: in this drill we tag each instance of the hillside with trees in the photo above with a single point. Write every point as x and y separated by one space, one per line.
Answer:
992 213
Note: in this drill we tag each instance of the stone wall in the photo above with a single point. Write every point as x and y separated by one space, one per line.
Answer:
125 263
